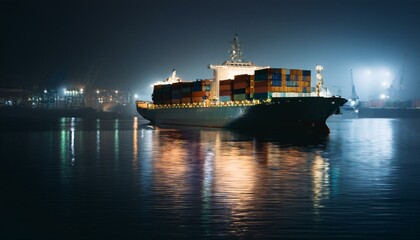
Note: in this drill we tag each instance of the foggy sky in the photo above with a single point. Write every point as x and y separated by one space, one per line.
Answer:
131 44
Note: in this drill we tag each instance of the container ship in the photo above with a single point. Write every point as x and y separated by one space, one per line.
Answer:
243 96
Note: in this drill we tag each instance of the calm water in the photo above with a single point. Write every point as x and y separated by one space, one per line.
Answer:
119 179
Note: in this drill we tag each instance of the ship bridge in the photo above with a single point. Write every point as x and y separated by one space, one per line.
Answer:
234 66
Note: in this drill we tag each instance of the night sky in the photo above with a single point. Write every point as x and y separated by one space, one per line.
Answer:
131 44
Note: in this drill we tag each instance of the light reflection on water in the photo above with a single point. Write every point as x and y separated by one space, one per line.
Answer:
122 176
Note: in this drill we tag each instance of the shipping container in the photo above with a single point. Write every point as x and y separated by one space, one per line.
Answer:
166 101
262 96
197 99
225 88
176 95
176 101
275 89
239 91
277 82
186 100
225 93
225 98
198 94
292 83
261 89
241 97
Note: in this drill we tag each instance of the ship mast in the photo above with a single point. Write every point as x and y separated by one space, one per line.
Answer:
235 50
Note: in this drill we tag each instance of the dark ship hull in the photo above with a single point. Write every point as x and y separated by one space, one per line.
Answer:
285 113
389 112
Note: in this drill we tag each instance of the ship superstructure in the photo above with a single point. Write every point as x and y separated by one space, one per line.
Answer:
236 65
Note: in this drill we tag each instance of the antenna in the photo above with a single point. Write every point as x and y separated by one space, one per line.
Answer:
235 50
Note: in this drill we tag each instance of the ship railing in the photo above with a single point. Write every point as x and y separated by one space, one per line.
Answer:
206 104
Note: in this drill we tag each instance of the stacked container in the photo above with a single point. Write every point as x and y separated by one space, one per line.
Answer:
242 87
157 94
186 92
162 94
306 81
277 82
265 84
176 93
226 90
267 81
200 90
166 93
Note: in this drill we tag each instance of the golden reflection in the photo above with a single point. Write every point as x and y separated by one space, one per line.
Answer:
238 178
135 143
320 181
236 181
170 164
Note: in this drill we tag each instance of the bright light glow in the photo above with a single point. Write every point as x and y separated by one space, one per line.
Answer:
319 68
45 91
116 91
136 96
385 83
97 91
81 90
383 96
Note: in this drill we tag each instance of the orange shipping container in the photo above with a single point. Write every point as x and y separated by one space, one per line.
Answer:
185 100
275 89
262 83
176 101
225 93
198 94
225 87
225 82
197 99
240 85
261 89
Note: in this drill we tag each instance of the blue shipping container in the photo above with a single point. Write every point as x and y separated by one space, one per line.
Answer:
276 83
225 98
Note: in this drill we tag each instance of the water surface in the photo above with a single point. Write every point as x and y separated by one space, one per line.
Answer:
121 178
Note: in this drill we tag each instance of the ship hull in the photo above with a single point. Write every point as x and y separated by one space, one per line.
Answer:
294 113
389 113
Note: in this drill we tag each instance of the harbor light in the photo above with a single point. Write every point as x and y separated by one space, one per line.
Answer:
383 96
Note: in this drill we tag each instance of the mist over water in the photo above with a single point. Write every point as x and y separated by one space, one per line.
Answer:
75 178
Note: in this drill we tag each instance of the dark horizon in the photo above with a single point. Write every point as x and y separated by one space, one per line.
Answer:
131 44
